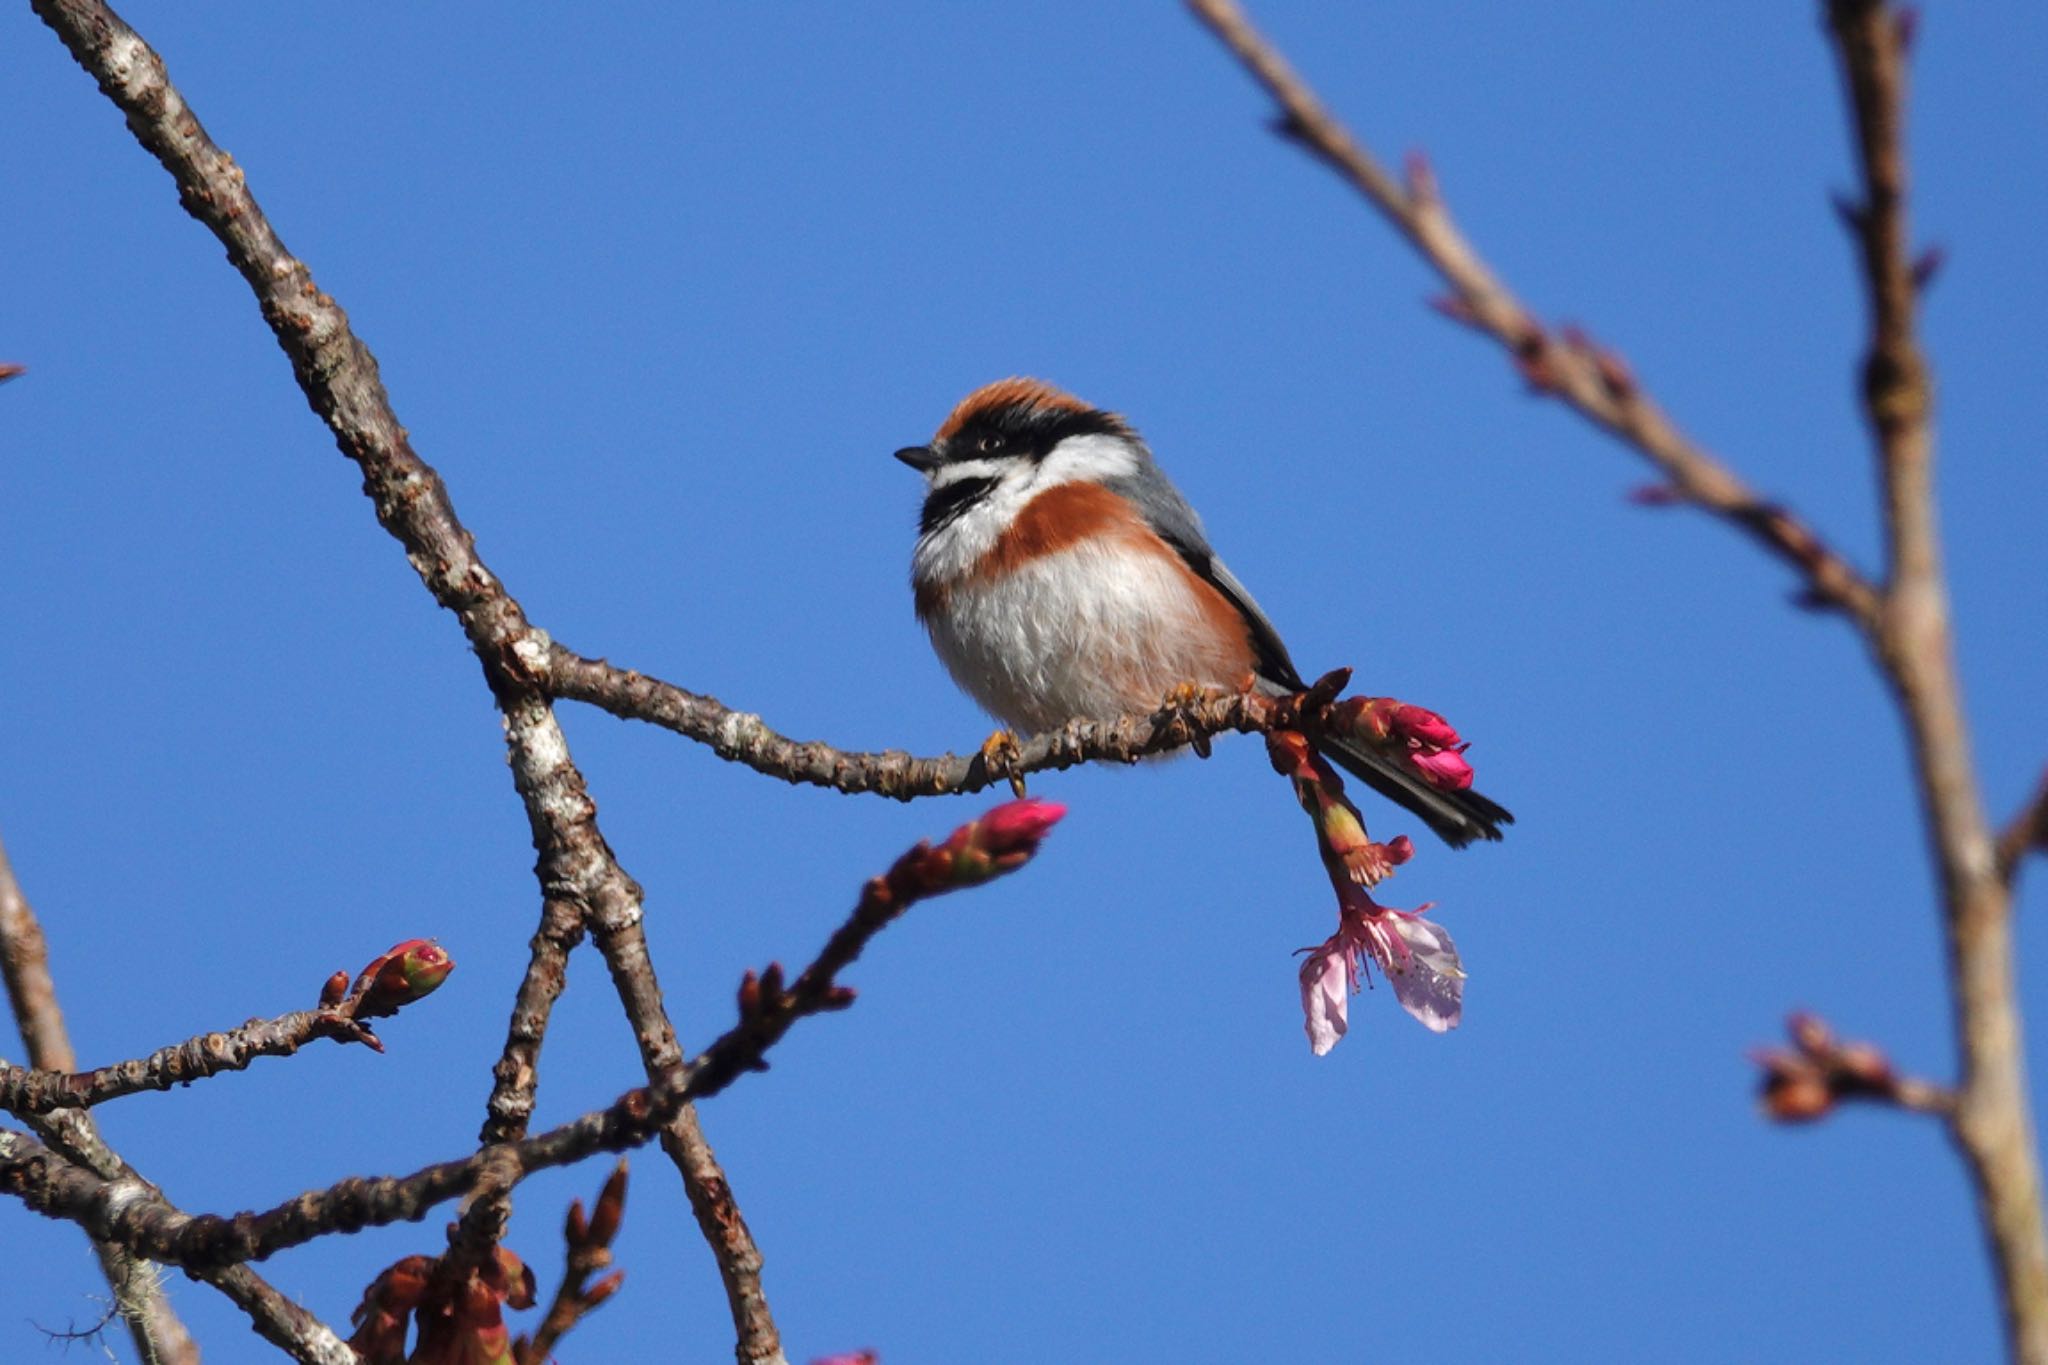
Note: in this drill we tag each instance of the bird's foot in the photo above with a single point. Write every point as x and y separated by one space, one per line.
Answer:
1182 700
1001 752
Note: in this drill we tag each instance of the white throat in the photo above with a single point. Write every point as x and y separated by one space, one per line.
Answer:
950 552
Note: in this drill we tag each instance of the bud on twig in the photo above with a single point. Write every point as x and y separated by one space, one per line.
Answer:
410 971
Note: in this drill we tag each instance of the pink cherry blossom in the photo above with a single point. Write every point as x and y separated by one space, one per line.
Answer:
1416 956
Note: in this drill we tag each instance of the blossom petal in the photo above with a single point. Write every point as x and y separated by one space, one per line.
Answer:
1430 984
1325 996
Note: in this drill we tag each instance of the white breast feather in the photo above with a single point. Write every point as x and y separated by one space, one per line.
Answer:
1098 630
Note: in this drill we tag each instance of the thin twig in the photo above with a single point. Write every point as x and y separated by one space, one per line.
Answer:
1818 1071
24 1091
343 1017
154 1326
340 379
1593 381
589 1242
2027 831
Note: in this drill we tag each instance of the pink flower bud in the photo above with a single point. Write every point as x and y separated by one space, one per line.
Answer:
1444 769
1001 841
1018 827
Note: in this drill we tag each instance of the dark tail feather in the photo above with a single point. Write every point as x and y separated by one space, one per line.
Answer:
1457 817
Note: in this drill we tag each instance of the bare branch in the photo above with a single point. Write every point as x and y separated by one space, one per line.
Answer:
342 1017
1993 1123
1591 380
744 738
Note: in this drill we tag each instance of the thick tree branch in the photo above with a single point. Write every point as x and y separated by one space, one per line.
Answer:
1993 1122
745 738
158 1333
1593 381
340 379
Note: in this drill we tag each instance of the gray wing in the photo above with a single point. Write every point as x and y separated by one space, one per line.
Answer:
1168 513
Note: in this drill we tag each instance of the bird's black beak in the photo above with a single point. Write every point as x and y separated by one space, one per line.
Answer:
919 458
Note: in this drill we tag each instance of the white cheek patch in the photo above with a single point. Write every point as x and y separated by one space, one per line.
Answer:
1088 459
954 471
952 551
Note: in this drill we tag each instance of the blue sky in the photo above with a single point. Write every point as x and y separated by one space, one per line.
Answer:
658 289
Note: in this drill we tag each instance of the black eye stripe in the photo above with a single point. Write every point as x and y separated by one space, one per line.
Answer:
943 506
1030 430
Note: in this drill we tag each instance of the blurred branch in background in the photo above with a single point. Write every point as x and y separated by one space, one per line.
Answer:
1904 621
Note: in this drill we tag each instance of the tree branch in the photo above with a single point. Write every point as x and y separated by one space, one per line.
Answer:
1592 381
340 379
1993 1122
344 1017
740 737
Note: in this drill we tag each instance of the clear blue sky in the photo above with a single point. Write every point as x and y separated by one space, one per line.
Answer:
658 289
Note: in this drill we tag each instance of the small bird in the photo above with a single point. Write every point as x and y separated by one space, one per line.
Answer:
1062 576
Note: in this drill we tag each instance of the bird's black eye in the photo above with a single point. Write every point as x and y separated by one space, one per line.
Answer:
989 444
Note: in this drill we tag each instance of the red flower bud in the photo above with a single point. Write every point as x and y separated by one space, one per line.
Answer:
1420 725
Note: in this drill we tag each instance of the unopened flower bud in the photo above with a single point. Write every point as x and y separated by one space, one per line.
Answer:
1797 1097
335 991
1420 725
410 971
603 1289
1001 841
610 1208
1444 769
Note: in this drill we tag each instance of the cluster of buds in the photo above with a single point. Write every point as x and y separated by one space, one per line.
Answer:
457 1304
1415 955
1424 740
407 972
1805 1081
589 1238
999 842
